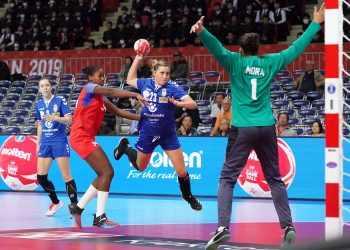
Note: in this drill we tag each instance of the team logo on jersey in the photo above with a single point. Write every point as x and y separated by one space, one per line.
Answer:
48 124
55 108
163 99
152 107
163 92
146 93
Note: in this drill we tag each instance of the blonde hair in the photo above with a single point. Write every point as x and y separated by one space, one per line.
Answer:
158 63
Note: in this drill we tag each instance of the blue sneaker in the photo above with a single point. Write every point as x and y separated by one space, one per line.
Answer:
219 238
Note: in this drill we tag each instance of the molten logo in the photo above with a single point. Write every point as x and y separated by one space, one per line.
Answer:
192 160
16 153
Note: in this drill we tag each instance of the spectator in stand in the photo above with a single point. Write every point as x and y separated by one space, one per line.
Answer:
230 39
94 13
280 20
217 12
218 29
143 70
234 26
282 128
265 11
227 113
224 127
306 21
8 38
90 44
109 33
182 112
126 67
37 46
17 47
266 31
47 46
108 44
216 108
179 67
186 128
120 33
317 129
5 73
311 80
3 47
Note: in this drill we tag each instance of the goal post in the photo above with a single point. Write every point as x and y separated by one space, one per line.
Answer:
333 119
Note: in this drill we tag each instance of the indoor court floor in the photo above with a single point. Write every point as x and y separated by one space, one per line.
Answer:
149 222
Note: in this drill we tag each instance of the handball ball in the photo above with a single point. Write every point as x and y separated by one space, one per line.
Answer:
142 47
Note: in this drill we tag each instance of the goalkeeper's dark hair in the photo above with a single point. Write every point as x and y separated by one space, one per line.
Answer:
91 70
249 42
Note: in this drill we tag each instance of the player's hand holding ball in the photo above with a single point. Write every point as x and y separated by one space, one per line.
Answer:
142 47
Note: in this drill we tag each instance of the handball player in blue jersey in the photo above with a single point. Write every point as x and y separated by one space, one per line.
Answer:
157 123
252 123
53 115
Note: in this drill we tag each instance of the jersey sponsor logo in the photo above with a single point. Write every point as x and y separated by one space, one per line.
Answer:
254 71
163 99
48 124
163 92
55 108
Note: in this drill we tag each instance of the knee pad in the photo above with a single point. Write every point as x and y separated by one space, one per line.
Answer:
45 183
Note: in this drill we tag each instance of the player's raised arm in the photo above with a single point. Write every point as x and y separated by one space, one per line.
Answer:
132 74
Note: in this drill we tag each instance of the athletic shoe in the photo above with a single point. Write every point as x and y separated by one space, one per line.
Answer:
120 149
102 221
53 208
289 237
219 237
75 211
194 203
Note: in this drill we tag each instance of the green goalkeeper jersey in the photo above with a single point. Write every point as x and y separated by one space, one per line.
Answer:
250 77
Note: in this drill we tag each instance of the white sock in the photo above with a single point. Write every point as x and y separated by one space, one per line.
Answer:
87 197
101 202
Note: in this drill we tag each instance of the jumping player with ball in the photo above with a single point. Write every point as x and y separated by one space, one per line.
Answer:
252 120
157 122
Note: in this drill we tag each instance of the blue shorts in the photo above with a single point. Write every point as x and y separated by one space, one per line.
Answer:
147 143
54 151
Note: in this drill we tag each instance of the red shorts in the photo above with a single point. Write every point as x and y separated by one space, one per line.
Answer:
82 142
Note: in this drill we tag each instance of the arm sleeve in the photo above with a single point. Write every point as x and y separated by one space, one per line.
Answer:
224 56
285 57
65 109
38 116
90 88
140 83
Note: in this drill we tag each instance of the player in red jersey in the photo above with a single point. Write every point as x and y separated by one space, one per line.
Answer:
88 115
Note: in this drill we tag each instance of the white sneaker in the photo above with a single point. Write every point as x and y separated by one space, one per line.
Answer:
54 208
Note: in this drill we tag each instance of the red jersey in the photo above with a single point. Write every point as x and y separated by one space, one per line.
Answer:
89 110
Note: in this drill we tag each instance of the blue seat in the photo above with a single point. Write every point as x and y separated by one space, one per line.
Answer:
301 104
213 76
32 90
319 104
114 83
306 112
77 89
280 103
5 113
18 90
182 81
204 112
81 82
346 132
31 121
129 88
8 104
285 80
309 121
277 95
288 87
66 83
32 84
34 77
20 113
11 130
290 112
196 74
275 87
207 121
16 121
66 77
293 121
203 102
80 76
282 73
63 90
3 90
299 131
51 77
3 121
296 95
5 83
314 95
30 97
112 76
346 113
21 84
321 112
28 130
204 131
13 96
298 72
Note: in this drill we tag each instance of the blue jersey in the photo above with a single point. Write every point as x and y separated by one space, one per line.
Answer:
52 132
158 117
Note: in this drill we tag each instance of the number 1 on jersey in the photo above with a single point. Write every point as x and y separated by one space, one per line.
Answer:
254 82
